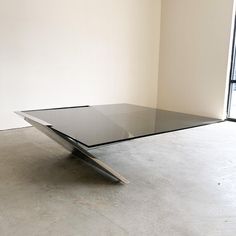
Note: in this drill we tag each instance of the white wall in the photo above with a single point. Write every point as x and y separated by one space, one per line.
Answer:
193 69
70 52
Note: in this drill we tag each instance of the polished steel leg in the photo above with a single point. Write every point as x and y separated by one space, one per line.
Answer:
74 148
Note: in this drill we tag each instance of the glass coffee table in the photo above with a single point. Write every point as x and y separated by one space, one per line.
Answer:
81 128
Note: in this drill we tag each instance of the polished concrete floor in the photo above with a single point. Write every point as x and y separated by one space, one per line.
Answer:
181 184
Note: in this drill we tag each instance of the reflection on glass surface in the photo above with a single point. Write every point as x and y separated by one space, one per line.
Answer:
233 102
96 125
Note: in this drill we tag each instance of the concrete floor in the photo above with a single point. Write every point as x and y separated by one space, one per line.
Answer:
182 183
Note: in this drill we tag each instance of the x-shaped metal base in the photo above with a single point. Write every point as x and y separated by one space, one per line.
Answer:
72 146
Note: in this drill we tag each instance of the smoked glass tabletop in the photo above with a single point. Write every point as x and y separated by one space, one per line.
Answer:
103 124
